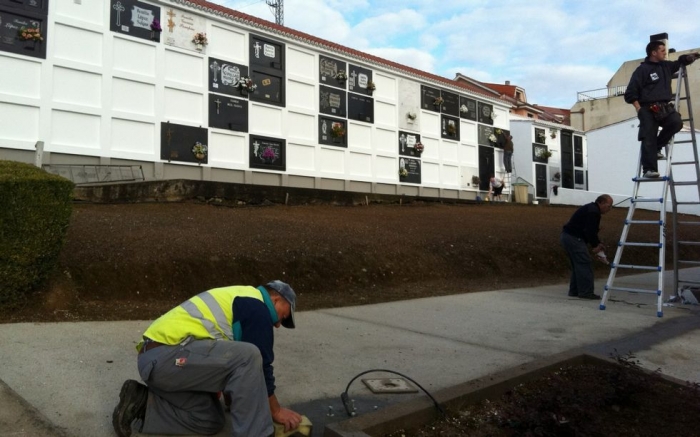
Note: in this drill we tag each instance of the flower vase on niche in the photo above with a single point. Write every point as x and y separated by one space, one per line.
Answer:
200 47
199 151
155 30
337 132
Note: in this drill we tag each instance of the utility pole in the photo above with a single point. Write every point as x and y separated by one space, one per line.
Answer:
277 7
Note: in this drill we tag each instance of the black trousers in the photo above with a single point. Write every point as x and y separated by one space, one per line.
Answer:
653 140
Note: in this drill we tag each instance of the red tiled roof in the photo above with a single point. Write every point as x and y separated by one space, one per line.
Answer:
289 32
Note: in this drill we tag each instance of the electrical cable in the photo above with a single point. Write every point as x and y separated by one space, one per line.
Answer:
346 400
623 200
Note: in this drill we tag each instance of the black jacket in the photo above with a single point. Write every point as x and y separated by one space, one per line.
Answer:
651 81
584 224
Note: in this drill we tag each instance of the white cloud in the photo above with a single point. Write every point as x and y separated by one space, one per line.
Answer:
409 57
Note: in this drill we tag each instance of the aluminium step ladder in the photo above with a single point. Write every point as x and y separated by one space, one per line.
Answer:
667 184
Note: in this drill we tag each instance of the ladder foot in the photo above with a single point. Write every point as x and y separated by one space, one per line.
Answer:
602 307
659 314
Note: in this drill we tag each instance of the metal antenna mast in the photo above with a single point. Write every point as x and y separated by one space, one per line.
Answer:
277 7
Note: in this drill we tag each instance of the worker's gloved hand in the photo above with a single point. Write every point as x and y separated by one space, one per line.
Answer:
290 419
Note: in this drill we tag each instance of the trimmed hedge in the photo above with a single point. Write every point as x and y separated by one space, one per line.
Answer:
35 210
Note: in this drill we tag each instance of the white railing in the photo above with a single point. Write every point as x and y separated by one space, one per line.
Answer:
602 93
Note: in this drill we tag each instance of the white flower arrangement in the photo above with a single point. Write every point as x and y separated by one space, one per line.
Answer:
341 75
463 109
245 83
493 115
492 138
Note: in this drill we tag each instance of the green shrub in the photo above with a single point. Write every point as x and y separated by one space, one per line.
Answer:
35 209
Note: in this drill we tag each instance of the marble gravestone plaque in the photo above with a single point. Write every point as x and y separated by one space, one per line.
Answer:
406 142
328 69
267 153
485 113
449 127
409 105
10 25
224 77
450 105
269 88
359 79
228 113
484 133
467 108
133 18
266 53
325 132
332 101
427 98
267 70
412 166
360 108
32 6
180 26
177 140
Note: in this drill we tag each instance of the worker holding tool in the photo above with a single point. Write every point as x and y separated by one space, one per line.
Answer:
577 234
218 341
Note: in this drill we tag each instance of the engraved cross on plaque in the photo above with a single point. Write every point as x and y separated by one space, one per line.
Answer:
171 22
218 102
169 135
353 75
119 8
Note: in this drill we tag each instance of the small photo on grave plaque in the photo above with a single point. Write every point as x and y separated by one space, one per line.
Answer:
467 108
407 143
360 108
267 153
450 104
134 18
409 170
449 127
228 113
332 72
359 79
332 101
332 132
428 97
224 77
485 113
177 143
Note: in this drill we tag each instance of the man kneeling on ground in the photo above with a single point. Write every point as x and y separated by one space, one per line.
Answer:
218 341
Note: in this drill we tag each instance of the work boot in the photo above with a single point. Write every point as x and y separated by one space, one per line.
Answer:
132 406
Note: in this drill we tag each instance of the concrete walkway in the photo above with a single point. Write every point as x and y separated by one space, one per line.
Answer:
63 379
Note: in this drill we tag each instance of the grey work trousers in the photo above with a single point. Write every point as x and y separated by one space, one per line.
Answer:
581 283
182 395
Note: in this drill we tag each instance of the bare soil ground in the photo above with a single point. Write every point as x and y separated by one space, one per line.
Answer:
136 261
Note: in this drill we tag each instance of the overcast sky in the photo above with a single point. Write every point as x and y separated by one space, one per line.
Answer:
552 49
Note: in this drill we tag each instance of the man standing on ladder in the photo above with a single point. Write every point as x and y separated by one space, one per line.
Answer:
650 92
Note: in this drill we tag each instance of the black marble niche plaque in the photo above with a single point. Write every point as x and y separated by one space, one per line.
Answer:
412 166
360 108
485 113
134 18
328 69
332 101
325 135
484 133
537 151
269 88
266 53
406 142
177 140
32 6
427 98
224 77
467 108
268 153
228 113
449 127
10 39
359 79
450 104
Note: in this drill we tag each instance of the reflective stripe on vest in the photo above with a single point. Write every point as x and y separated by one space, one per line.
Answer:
219 317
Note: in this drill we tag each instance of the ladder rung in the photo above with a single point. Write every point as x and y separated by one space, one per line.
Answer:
682 142
634 290
688 262
688 223
633 267
645 222
690 243
683 162
685 183
661 179
687 203
639 244
644 199
688 282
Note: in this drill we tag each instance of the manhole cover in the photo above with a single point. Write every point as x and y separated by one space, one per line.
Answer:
389 385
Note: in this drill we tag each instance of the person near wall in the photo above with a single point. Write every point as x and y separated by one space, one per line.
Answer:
218 341
495 187
508 153
580 232
649 90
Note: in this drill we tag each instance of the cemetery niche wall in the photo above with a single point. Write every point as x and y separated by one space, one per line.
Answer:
332 132
407 144
267 66
134 18
409 170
